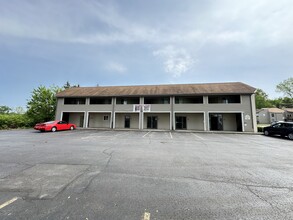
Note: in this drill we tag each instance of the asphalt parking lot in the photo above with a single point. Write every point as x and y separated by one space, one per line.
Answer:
94 174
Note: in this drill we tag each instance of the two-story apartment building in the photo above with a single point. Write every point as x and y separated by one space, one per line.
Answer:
270 115
288 114
201 107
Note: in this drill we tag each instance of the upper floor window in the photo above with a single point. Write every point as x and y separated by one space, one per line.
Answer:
157 100
224 99
74 101
189 100
101 101
127 101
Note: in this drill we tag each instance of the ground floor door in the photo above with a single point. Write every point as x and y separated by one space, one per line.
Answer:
152 122
181 122
127 121
216 122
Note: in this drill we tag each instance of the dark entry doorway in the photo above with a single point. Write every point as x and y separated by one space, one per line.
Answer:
81 120
181 122
216 122
65 117
239 121
152 122
127 121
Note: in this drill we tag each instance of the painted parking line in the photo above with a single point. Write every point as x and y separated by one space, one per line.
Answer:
146 216
146 134
8 202
199 137
121 134
228 138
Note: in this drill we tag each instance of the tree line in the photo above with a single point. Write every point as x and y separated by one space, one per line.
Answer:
42 104
41 107
262 99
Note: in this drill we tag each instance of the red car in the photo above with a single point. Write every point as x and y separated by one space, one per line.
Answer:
54 126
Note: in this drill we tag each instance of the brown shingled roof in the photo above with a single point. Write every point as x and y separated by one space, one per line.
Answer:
150 90
274 110
289 110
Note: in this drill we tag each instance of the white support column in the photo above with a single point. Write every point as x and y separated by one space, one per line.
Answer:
85 120
207 120
204 122
142 118
243 122
114 120
141 114
172 118
253 113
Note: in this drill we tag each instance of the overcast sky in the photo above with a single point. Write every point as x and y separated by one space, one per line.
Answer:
137 42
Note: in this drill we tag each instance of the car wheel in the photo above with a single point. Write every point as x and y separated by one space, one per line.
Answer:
290 136
71 128
54 129
267 133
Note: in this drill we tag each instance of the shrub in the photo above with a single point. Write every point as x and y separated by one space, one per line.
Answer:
259 129
9 121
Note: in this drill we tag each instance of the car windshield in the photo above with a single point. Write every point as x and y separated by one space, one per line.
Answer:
49 122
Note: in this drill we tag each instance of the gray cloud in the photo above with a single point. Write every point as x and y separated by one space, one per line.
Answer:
176 60
249 41
265 22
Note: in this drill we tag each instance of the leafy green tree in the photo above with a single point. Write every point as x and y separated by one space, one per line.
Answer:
4 109
67 85
282 102
276 102
262 100
286 87
19 110
42 104
287 102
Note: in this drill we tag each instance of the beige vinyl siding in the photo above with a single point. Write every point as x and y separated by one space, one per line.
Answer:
97 120
120 120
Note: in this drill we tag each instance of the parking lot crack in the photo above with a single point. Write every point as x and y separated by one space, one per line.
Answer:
238 183
82 182
110 155
264 200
